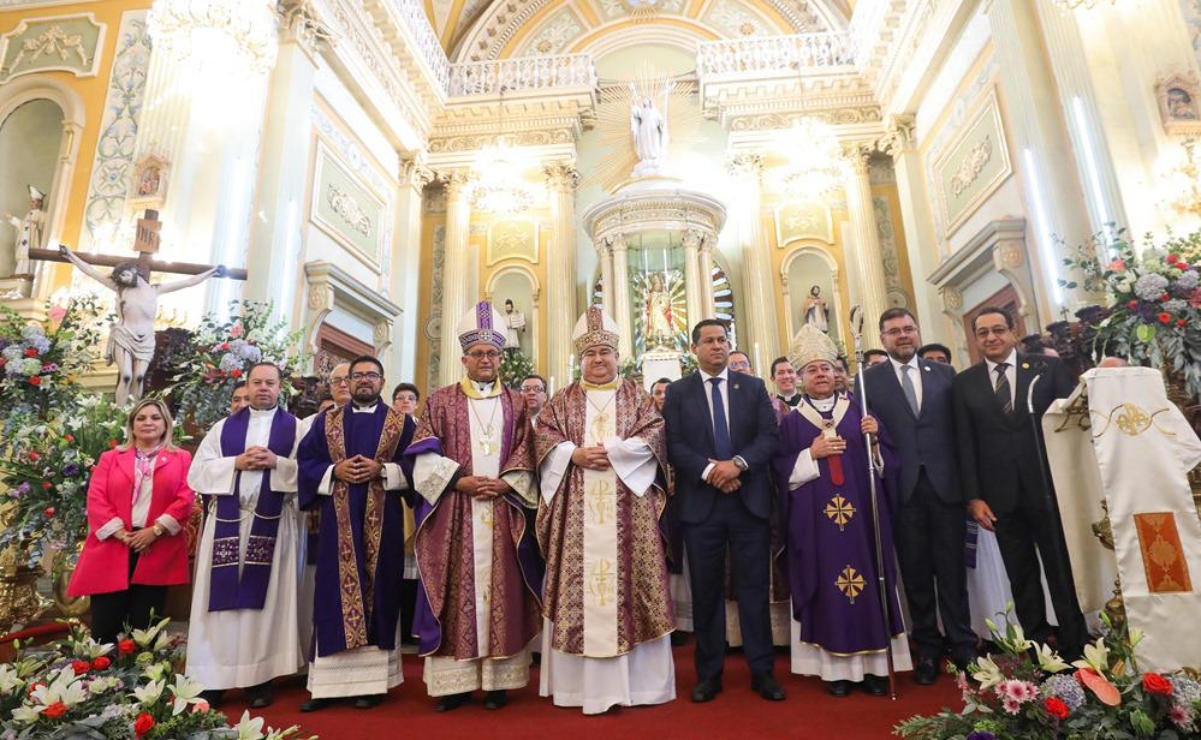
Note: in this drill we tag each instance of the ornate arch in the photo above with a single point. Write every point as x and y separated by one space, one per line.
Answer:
26 89
810 247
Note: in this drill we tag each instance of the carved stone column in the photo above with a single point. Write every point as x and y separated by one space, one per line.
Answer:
758 295
561 266
692 277
276 240
864 260
461 285
606 258
406 264
900 144
621 294
705 268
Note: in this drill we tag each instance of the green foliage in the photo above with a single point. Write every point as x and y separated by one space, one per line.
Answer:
515 367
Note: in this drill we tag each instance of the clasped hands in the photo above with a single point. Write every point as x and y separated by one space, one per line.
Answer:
592 458
825 446
137 541
357 469
724 476
255 458
481 486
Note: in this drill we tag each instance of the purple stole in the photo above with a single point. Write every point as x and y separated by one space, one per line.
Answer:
227 590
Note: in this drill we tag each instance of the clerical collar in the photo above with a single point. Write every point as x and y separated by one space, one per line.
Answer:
356 409
612 385
264 412
479 390
823 404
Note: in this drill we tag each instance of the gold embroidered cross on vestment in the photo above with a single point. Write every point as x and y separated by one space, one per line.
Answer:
487 442
850 582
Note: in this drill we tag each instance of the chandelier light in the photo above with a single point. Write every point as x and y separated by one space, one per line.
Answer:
1086 4
238 35
1180 180
815 168
498 185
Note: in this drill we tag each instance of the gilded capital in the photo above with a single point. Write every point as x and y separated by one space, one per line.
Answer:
900 137
858 155
745 165
561 176
414 173
455 182
300 21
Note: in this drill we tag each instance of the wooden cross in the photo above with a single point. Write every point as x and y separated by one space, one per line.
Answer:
146 244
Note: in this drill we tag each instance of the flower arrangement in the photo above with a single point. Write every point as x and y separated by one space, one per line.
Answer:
1029 692
221 352
515 367
132 690
46 475
1154 293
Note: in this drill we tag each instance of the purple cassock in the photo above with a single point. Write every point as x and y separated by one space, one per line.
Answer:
444 620
360 550
831 543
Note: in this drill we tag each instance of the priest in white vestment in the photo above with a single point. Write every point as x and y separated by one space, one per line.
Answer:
243 630
602 456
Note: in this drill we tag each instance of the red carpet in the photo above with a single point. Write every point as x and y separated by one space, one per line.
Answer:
809 711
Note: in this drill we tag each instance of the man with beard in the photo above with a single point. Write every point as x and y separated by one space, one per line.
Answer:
912 398
242 631
349 472
472 469
601 452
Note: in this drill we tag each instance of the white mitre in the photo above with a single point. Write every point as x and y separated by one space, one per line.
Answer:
483 324
594 327
810 345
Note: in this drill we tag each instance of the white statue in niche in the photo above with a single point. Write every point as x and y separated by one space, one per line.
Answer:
516 327
648 124
30 230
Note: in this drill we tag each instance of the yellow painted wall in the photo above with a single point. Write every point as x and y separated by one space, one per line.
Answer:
91 90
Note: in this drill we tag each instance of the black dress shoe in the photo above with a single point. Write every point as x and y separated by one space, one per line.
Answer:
451 702
839 689
316 705
368 701
767 686
496 699
260 696
875 685
213 696
706 690
925 672
678 638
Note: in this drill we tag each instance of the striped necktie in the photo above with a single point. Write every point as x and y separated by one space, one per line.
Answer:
1001 388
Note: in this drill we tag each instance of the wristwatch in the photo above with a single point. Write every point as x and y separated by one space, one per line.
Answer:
740 463
158 530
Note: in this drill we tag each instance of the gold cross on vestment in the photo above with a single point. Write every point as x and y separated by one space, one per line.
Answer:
850 582
840 511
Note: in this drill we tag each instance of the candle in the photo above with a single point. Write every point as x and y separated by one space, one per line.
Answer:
552 386
759 360
570 369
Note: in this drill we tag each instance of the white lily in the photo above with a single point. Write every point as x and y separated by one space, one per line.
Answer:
143 638
1049 660
987 672
186 692
150 693
1135 636
249 728
9 679
155 672
1096 657
65 687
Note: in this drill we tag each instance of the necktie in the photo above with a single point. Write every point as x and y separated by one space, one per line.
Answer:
721 431
910 391
1001 388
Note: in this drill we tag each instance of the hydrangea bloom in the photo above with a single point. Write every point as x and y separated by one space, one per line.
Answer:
1188 280
1175 305
1185 690
1065 688
230 362
1150 287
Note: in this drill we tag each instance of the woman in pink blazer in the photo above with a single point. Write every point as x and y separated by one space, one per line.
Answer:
138 500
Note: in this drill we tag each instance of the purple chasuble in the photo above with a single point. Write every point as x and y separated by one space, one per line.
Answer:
227 590
831 543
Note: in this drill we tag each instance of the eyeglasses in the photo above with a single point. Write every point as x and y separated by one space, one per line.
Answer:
405 397
484 354
366 376
532 389
984 331
899 331
338 380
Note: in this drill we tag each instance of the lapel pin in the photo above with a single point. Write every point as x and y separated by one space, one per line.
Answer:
735 386
926 368
1025 365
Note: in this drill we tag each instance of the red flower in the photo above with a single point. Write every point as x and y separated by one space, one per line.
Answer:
1132 305
31 352
47 485
1164 297
80 667
236 373
224 346
1173 259
33 456
112 443
1165 318
100 663
1182 323
69 438
143 724
1153 683
1056 708
35 380
48 511
126 647
55 710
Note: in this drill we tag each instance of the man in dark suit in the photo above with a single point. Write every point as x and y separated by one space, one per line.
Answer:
913 399
721 438
1001 459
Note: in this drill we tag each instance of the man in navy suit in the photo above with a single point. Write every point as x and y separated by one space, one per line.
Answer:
1001 458
912 397
721 439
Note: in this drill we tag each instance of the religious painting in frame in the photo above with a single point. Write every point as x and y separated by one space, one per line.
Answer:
803 220
1179 105
346 209
149 186
972 168
65 43
512 239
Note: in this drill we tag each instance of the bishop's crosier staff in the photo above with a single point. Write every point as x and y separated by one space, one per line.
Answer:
857 336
